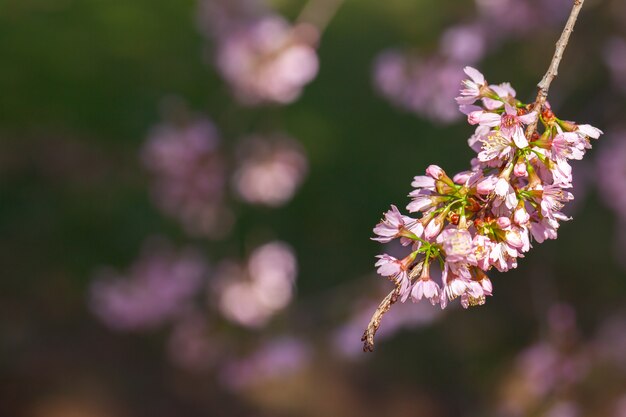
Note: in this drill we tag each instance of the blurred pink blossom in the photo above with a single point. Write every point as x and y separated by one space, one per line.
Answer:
251 294
189 176
158 287
426 86
270 170
268 61
464 43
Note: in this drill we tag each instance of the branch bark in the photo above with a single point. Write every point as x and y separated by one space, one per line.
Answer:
383 308
553 69
372 328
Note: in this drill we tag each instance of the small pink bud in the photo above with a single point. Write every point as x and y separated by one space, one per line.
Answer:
474 117
486 185
433 228
520 169
462 177
435 172
503 222
514 239
521 216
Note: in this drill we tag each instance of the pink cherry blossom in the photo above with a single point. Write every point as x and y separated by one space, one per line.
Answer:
488 216
394 224
473 87
511 125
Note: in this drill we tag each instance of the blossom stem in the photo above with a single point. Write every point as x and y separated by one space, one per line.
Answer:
553 69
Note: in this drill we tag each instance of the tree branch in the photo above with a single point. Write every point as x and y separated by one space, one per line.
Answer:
383 308
553 69
372 328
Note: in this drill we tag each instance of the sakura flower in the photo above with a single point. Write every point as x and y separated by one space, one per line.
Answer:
503 256
553 199
457 244
475 141
505 94
568 145
474 87
505 193
589 131
425 287
495 146
482 117
394 225
543 229
511 125
424 196
388 266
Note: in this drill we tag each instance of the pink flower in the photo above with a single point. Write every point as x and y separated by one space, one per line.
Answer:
589 131
457 244
388 266
521 216
394 224
511 125
503 257
433 228
495 146
424 196
568 145
545 228
484 218
484 118
473 86
454 286
504 91
505 194
425 287
552 200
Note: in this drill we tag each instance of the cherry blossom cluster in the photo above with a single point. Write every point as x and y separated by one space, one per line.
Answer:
485 217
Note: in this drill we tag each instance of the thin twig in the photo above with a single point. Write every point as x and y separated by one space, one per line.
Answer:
372 328
383 308
553 69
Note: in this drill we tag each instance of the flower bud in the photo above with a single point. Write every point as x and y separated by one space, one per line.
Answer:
434 227
520 169
486 185
503 222
435 171
521 216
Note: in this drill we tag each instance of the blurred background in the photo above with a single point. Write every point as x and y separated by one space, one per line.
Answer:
188 188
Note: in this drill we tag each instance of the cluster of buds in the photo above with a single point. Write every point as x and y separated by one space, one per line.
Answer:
485 217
